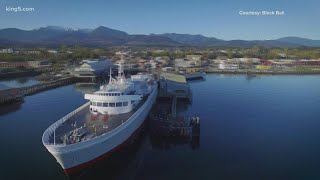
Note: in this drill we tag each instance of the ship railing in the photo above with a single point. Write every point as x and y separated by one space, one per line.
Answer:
110 133
51 130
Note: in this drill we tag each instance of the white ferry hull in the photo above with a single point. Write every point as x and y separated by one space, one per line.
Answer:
76 157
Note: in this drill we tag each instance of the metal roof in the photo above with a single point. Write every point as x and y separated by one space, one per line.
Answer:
174 77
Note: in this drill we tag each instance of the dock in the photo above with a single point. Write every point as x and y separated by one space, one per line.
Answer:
17 94
166 124
169 129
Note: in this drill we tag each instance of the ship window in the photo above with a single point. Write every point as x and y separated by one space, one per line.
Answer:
99 104
90 103
132 101
125 103
94 103
119 104
105 104
112 104
112 94
180 91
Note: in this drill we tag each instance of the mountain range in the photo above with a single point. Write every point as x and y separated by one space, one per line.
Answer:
104 36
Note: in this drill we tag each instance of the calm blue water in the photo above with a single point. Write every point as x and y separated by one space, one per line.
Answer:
251 128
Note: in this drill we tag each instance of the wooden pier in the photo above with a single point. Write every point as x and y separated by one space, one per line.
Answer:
17 94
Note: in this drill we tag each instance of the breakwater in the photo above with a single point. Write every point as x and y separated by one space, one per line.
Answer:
17 94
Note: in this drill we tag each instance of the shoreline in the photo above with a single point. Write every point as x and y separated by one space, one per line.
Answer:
12 75
261 72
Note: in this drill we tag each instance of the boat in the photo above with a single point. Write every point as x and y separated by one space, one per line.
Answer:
111 119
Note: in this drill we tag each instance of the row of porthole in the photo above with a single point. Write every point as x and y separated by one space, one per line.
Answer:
112 104
109 94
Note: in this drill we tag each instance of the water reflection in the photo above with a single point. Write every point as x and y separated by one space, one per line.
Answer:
18 82
9 108
250 77
86 88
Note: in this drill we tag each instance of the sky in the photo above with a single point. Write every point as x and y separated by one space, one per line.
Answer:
212 18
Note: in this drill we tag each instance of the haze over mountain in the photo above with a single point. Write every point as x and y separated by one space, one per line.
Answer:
104 36
301 41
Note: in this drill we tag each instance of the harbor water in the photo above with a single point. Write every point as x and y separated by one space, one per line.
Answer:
252 127
16 83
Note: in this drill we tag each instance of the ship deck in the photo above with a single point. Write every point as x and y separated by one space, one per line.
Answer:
84 125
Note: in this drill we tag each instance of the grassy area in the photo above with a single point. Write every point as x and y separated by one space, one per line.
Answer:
307 69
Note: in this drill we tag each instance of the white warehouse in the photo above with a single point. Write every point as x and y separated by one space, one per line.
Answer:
228 66
93 68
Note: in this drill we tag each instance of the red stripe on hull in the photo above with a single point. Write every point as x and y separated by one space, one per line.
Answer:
83 166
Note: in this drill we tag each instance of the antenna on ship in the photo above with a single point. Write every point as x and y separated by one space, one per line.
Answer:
54 136
120 69
110 76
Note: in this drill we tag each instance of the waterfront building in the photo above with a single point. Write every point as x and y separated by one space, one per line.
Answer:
93 68
263 67
52 51
182 63
284 63
39 64
249 60
311 62
13 64
28 52
6 51
224 66
194 57
174 85
282 55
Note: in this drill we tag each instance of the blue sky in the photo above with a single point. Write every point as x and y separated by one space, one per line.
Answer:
211 18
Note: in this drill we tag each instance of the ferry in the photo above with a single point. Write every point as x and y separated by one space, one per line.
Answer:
107 122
